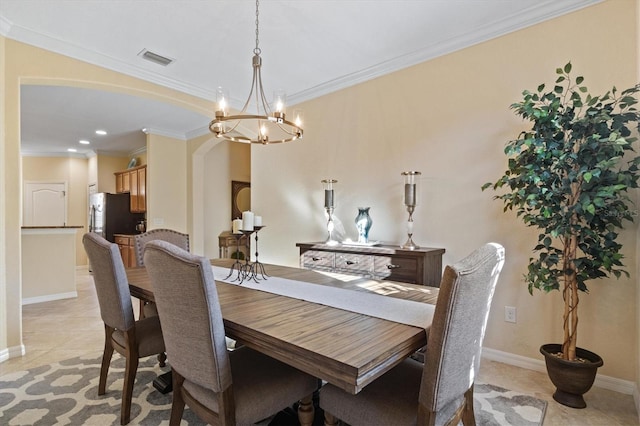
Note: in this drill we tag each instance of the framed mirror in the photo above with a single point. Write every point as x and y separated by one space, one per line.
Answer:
240 198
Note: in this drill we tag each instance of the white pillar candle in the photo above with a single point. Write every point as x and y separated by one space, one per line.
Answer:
236 225
247 221
257 221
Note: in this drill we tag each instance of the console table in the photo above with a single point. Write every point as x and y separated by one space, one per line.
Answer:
385 262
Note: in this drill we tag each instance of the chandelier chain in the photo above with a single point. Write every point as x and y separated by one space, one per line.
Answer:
257 49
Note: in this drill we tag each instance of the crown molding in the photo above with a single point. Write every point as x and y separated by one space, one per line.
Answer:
37 39
543 11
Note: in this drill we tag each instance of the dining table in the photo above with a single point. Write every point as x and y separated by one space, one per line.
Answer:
337 344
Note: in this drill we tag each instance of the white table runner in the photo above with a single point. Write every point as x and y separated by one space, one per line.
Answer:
389 308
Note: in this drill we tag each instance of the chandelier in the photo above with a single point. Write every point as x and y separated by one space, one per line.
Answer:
269 124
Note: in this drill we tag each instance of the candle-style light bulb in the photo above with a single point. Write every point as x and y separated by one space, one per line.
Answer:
222 98
279 101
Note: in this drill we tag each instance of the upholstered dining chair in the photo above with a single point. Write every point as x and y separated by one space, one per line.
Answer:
174 237
140 240
130 338
440 391
222 387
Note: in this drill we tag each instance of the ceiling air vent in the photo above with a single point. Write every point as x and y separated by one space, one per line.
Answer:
154 57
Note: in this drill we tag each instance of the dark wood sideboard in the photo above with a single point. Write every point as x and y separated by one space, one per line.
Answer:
385 262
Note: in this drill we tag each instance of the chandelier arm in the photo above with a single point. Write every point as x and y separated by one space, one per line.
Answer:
284 129
263 99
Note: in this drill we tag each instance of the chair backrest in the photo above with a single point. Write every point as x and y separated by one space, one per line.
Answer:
174 237
111 281
454 346
190 314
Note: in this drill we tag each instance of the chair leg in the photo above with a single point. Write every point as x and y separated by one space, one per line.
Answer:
106 360
130 370
329 419
468 417
162 358
141 314
306 411
177 406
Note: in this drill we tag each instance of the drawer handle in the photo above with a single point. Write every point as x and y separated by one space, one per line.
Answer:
315 259
392 266
351 262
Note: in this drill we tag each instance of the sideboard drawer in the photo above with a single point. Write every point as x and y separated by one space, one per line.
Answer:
382 262
318 259
395 268
360 264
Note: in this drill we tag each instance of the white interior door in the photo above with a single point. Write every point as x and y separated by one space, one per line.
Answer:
45 204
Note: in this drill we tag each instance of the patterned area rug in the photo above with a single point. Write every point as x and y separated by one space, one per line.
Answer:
66 393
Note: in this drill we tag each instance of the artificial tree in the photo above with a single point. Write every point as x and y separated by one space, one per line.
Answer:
569 176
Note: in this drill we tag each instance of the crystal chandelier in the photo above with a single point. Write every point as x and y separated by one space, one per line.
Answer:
269 124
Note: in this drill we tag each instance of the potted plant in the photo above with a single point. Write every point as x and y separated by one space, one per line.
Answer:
569 177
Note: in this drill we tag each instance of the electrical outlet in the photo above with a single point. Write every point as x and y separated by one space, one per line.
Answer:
510 313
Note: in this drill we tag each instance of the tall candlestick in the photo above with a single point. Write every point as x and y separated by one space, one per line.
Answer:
329 205
410 201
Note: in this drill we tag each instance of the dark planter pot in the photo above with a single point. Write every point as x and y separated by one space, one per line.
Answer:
572 379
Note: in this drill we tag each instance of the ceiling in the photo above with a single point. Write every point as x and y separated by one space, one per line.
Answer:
309 48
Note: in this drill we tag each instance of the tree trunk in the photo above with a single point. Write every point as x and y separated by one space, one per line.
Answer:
570 295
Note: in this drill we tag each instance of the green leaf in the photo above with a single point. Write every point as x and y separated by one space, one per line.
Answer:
587 177
579 80
567 68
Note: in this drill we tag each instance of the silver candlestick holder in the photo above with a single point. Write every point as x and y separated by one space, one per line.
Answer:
410 201
329 205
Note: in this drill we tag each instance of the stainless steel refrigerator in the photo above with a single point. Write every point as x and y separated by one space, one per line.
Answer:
110 214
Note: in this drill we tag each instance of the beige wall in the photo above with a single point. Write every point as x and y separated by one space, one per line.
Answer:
225 162
107 166
449 118
166 183
23 64
6 317
212 163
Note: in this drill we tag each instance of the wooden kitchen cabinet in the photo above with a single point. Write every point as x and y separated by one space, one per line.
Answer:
134 181
127 249
384 262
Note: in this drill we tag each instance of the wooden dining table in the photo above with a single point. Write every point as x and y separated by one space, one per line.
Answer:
344 348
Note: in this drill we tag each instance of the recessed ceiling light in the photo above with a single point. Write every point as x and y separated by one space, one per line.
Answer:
101 132
84 142
72 150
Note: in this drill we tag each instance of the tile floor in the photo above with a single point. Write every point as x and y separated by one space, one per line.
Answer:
58 330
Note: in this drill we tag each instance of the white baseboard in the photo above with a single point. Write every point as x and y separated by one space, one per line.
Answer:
13 352
49 298
606 382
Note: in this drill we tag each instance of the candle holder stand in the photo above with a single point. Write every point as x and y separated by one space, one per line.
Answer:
257 267
410 200
237 265
410 245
